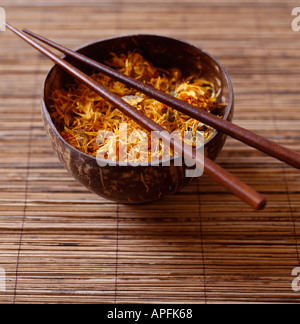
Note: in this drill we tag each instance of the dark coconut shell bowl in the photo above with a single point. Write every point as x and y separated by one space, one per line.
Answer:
142 184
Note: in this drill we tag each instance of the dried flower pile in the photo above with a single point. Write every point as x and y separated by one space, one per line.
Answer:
80 114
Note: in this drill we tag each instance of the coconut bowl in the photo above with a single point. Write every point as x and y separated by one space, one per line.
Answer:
141 184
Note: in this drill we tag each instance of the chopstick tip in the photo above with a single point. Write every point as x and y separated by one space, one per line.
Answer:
261 204
9 26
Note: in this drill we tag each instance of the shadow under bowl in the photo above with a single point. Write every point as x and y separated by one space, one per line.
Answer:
142 184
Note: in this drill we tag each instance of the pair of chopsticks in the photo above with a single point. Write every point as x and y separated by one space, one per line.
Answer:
227 180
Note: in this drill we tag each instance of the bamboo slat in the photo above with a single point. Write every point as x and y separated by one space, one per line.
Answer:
61 243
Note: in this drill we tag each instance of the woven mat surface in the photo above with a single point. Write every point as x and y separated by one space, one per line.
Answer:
59 243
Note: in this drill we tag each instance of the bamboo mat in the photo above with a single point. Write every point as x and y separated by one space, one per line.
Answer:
60 243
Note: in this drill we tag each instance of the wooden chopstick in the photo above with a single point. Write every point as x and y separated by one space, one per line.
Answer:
227 180
263 144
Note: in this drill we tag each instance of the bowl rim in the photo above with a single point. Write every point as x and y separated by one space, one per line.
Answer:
228 108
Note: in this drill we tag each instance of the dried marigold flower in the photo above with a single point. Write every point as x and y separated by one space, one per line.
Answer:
80 114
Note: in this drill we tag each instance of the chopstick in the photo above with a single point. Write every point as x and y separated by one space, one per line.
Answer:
227 180
262 144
